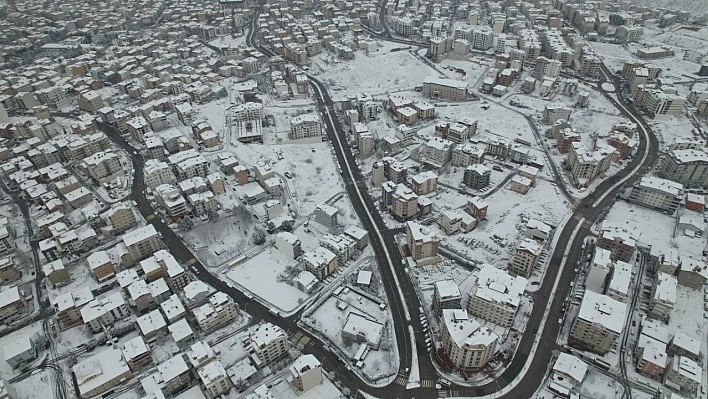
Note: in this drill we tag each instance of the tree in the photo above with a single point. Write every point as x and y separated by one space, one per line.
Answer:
287 225
212 214
259 238
185 224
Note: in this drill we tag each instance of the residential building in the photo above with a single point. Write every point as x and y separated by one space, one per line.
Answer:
218 312
288 244
326 215
136 354
688 167
67 307
554 112
11 303
121 218
599 323
422 242
496 296
8 270
101 265
586 165
663 296
362 330
151 325
306 373
267 344
7 391
446 295
104 312
404 204
524 258
467 344
656 193
683 374
652 358
214 379
464 155
618 288
141 243
321 262
477 207
101 372
20 351
618 240
520 184
424 183
454 221
56 272
477 176
304 126
600 268
446 89
568 374
437 151
173 374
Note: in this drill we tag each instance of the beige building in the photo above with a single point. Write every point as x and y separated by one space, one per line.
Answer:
306 373
8 270
525 257
446 89
663 296
121 217
424 183
56 272
683 374
496 296
218 312
321 262
422 242
404 204
137 354
214 379
268 343
599 323
101 266
101 372
468 345
520 184
141 243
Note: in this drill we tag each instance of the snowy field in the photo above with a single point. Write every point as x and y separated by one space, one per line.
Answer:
328 319
662 231
216 242
394 71
260 275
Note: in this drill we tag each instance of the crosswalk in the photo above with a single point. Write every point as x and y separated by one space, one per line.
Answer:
445 393
427 383
401 380
300 337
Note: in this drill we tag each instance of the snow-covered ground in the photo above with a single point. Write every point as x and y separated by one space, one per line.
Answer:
263 276
219 241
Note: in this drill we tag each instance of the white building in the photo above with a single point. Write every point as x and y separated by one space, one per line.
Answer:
304 126
599 323
468 345
306 373
268 343
496 296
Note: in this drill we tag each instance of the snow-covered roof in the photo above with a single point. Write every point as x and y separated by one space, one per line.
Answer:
98 258
602 257
303 364
621 278
655 330
655 352
571 366
172 368
364 277
466 331
139 234
687 343
457 84
603 310
180 330
665 288
668 187
151 322
447 289
19 346
99 369
357 324
134 348
496 285
212 372
687 368
421 233
264 333
199 353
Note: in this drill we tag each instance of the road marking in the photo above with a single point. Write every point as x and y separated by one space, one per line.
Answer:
443 393
427 383
403 381
150 217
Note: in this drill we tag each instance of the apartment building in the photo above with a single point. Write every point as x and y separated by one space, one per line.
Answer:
590 66
214 379
326 215
404 204
620 241
625 34
424 182
618 288
90 101
288 244
495 296
446 295
467 344
141 243
586 165
683 374
304 126
454 221
321 262
218 312
477 176
268 343
68 307
8 270
173 374
464 155
555 112
599 323
524 258
663 296
422 242
136 354
102 166
656 193
446 89
306 373
688 167
437 151
104 312
121 217
101 266
158 173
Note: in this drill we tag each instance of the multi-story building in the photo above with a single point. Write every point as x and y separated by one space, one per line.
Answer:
465 155
446 295
599 323
477 176
68 307
467 344
141 243
424 182
663 296
306 373
625 34
586 165
214 379
590 66
136 354
321 262
618 289
404 204
525 257
8 270
90 101
495 296
554 112
102 166
422 242
304 126
437 151
268 342
101 372
688 167
174 374
656 193
326 215
447 89
101 266
618 240
218 312
158 173
288 244
104 312
683 374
